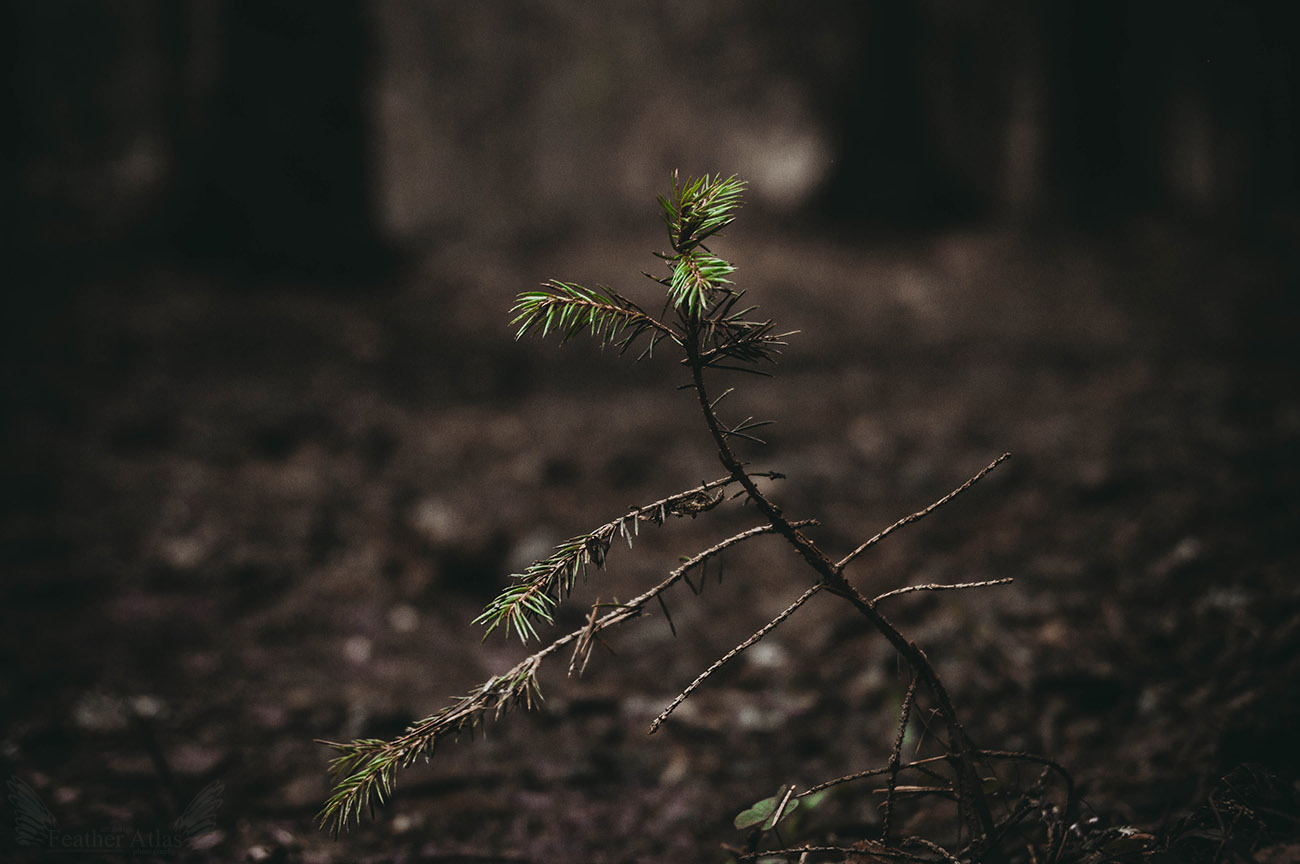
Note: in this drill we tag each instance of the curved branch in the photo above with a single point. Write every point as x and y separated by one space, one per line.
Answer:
962 748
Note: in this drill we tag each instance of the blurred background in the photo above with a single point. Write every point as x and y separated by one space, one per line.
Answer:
320 141
270 445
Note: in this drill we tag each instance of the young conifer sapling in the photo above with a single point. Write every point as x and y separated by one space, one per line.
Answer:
704 322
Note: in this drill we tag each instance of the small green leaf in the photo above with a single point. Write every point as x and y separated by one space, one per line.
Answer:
755 814
764 812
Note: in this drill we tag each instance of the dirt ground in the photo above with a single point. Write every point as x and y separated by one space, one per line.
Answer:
240 517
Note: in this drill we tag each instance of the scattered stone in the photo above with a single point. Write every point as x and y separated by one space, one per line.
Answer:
357 650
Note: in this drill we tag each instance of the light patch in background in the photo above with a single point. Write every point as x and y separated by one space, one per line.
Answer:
583 130
784 164
1189 170
773 141
780 147
1025 144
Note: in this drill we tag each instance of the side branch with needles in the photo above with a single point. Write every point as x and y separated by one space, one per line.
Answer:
366 768
702 317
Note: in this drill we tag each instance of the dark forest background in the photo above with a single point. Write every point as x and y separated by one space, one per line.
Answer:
325 139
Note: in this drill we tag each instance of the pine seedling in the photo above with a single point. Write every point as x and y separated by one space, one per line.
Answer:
705 322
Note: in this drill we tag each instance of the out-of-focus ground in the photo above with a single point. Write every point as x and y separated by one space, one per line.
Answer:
270 445
264 522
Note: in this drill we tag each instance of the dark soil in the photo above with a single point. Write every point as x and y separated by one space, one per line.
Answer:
239 517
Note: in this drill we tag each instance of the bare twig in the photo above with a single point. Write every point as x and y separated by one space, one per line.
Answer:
533 593
366 768
896 756
872 772
585 641
722 661
1071 794
866 847
934 586
933 847
623 611
921 514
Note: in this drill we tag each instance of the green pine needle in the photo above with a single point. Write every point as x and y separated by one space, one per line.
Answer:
568 308
700 208
534 594
696 276
365 770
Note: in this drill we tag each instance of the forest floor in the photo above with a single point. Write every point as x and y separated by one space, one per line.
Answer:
241 518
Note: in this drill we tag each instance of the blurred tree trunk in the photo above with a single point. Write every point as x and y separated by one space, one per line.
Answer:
888 167
236 131
271 132
88 151
1165 107
1088 109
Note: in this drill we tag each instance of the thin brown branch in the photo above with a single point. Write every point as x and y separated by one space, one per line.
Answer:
1071 795
896 756
918 791
585 642
805 547
933 847
739 649
633 607
864 849
921 514
368 767
961 748
938 586
872 772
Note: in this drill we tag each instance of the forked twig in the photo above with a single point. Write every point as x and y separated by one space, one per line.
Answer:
586 640
1071 793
